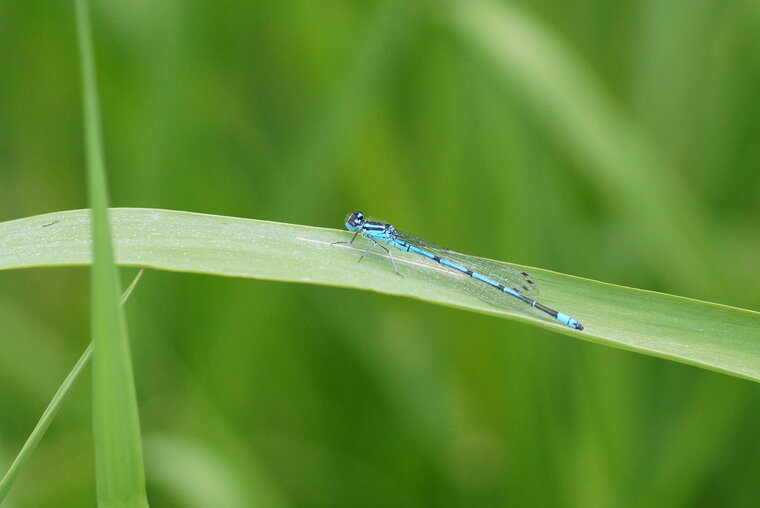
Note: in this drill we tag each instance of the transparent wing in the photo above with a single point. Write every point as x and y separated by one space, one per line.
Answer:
506 275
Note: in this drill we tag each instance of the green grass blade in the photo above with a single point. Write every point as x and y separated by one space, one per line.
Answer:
206 478
49 414
716 337
120 475
616 154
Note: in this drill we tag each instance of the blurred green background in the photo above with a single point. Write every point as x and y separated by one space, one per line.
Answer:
618 141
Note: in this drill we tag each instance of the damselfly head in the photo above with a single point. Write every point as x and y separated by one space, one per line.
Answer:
354 221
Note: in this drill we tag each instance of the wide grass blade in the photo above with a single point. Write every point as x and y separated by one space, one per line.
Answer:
709 335
120 476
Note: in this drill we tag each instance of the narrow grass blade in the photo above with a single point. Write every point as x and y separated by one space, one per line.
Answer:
120 476
572 102
49 414
709 335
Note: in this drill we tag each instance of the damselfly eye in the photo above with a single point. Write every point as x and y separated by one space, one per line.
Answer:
354 221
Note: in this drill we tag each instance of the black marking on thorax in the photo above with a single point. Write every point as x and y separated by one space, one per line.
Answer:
374 226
